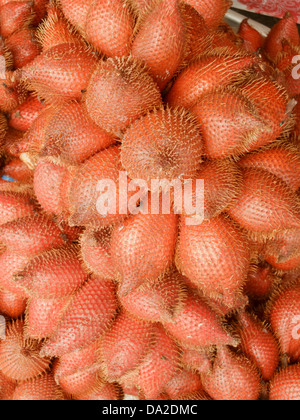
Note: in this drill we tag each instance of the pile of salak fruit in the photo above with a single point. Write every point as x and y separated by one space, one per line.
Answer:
99 306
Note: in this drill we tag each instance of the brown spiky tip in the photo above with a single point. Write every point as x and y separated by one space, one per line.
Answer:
19 356
166 143
3 126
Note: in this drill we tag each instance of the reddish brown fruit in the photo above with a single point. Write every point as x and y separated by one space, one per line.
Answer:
215 257
76 12
19 357
18 170
7 388
31 235
42 277
265 204
61 73
229 123
13 16
73 136
23 46
253 40
11 304
196 360
232 378
213 11
285 386
283 250
14 206
87 317
259 345
183 383
10 265
260 282
78 372
285 29
43 316
24 115
109 27
159 366
284 162
120 91
134 246
285 320
95 252
125 345
38 389
205 74
9 97
166 144
156 300
196 325
160 40
103 391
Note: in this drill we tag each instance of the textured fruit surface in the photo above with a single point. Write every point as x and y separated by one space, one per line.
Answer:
285 386
14 206
283 250
23 116
183 383
213 11
11 304
38 389
253 40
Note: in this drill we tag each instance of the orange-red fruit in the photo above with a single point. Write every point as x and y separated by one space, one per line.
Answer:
284 162
285 320
135 244
159 365
18 170
31 235
23 46
38 389
109 27
260 282
166 144
185 382
285 386
14 206
103 391
60 73
270 102
78 372
54 274
19 356
24 115
76 12
158 299
43 316
253 40
197 325
258 344
285 29
9 97
95 252
120 91
283 250
91 204
213 11
125 345
229 123
232 378
87 317
13 16
11 304
205 74
10 264
160 40
73 136
215 256
7 388
265 204
196 360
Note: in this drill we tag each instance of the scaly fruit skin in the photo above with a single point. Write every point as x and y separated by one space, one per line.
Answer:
134 246
185 382
60 73
215 257
259 345
196 360
103 391
76 12
159 40
232 378
13 16
159 366
283 250
11 304
213 11
260 282
284 312
265 204
253 40
197 325
285 29
18 170
23 46
125 345
165 144
205 74
14 206
109 27
10 264
24 115
43 388
19 356
120 91
285 386
87 317
284 162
